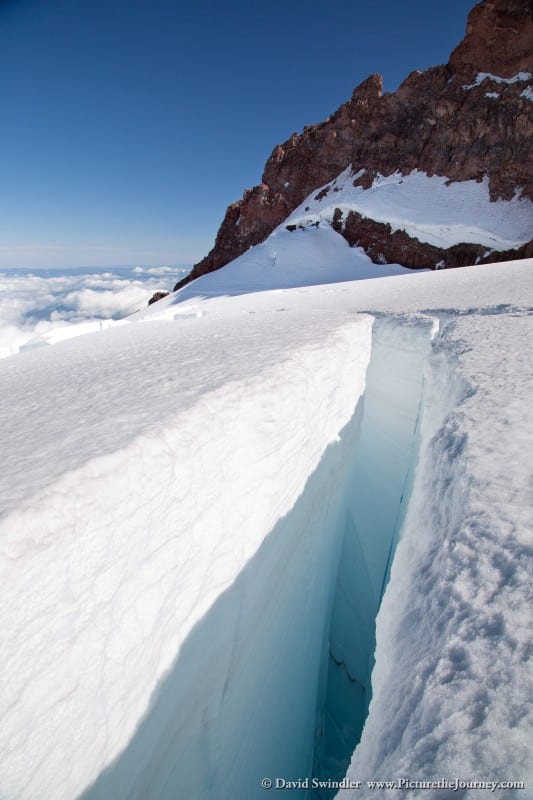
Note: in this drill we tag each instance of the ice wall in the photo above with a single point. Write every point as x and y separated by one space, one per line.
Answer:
230 625
164 605
378 482
240 702
452 679
274 681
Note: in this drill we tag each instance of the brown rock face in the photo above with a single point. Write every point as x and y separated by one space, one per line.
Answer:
498 39
156 297
438 121
385 246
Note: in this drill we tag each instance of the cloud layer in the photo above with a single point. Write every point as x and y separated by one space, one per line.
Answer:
33 303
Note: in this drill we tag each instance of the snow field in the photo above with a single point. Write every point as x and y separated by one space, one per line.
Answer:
176 497
124 554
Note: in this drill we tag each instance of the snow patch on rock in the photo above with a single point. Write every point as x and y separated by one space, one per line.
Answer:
428 208
520 77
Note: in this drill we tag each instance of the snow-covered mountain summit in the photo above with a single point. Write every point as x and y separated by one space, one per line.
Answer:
338 232
469 120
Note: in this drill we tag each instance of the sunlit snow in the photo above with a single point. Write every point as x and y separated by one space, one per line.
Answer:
430 209
193 502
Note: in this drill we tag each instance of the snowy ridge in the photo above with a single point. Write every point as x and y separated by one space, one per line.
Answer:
291 258
311 253
429 209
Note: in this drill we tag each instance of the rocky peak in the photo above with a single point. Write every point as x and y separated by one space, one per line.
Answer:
370 89
449 120
498 39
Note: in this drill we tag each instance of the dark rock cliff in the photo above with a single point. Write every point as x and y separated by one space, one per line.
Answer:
440 121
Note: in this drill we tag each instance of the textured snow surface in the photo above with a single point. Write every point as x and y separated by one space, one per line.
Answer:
456 617
117 541
143 469
427 208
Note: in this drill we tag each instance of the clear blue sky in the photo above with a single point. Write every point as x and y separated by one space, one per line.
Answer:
128 126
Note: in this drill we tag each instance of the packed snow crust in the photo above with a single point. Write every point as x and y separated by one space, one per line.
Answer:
176 545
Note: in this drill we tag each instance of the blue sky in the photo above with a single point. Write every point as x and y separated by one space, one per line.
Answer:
128 126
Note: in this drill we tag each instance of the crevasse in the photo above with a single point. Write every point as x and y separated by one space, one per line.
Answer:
378 485
274 682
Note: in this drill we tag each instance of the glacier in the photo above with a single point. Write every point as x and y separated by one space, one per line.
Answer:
273 535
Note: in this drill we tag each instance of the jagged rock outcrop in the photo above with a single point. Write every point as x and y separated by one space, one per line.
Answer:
384 245
447 121
498 39
156 297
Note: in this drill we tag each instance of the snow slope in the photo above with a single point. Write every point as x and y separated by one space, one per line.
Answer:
288 259
428 208
176 498
425 207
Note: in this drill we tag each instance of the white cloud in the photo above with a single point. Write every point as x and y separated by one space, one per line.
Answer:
32 304
100 302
